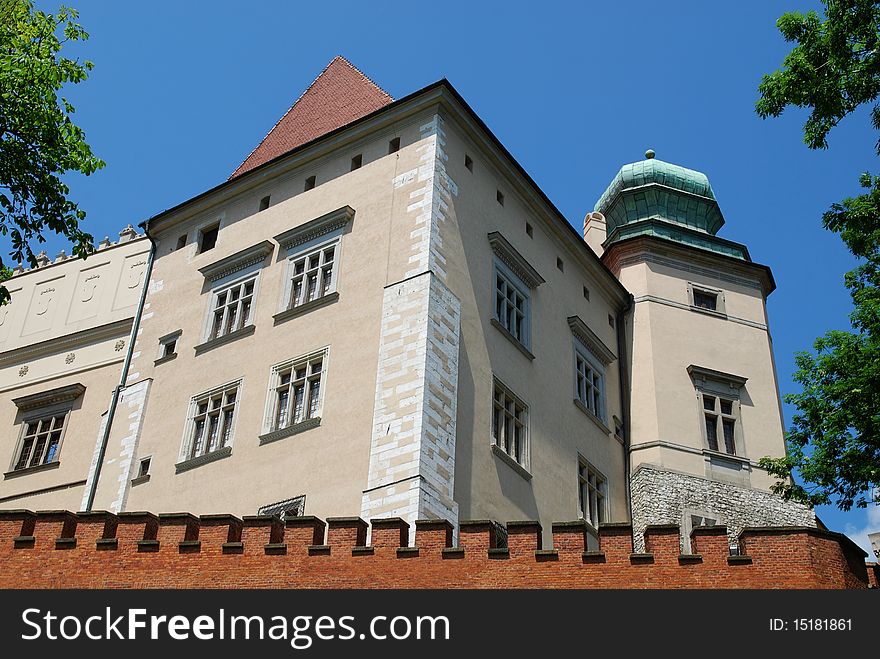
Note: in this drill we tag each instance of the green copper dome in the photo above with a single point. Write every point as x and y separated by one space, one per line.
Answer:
657 197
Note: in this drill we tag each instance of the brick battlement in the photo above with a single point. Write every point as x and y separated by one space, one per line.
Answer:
59 549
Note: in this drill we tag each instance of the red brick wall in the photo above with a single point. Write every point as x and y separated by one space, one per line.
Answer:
141 550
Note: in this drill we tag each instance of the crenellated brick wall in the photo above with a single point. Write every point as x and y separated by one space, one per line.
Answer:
58 549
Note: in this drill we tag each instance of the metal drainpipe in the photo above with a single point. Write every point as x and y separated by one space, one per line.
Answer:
625 399
114 401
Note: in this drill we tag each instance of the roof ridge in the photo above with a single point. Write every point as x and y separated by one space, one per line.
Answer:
339 58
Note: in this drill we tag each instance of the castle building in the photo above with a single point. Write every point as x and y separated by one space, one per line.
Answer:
381 314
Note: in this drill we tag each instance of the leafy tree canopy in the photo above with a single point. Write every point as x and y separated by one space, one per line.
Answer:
39 143
834 439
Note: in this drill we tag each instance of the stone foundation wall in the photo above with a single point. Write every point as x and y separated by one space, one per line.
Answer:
669 497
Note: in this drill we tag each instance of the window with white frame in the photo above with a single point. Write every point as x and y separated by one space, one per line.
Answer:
313 274
592 494
510 431
512 305
589 381
718 395
720 415
232 307
211 421
44 420
296 391
40 440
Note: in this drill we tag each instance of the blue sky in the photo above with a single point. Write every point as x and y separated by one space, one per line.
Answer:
182 91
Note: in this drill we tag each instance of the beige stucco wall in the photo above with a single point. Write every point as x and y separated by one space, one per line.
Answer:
68 323
328 463
669 336
486 486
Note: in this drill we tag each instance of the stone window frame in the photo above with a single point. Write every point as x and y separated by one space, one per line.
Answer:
169 341
38 407
294 507
523 465
585 470
186 459
301 242
720 386
270 432
589 348
720 309
517 273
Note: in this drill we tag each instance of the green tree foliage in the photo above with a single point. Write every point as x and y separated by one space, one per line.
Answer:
834 439
39 143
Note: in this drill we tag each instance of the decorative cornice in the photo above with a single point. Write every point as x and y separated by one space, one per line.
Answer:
591 342
514 260
66 342
700 373
238 261
315 228
51 397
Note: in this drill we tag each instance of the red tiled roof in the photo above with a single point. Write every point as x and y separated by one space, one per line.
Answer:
339 96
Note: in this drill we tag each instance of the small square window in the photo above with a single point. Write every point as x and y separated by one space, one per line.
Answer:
264 203
468 163
310 183
394 145
529 230
704 300
560 265
499 197
208 238
144 467
586 293
610 320
181 242
169 348
357 161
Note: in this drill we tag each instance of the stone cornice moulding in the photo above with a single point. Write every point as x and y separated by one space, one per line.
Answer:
316 228
52 397
590 341
514 260
59 344
699 373
238 261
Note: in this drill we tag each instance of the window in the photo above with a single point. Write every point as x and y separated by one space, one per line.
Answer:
40 440
529 230
499 197
718 395
513 279
181 242
511 306
394 145
208 238
560 265
357 161
469 163
586 294
720 423
706 299
295 507
232 308
592 494
44 420
313 274
310 183
264 203
211 421
144 467
510 424
296 397
168 346
610 320
589 382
